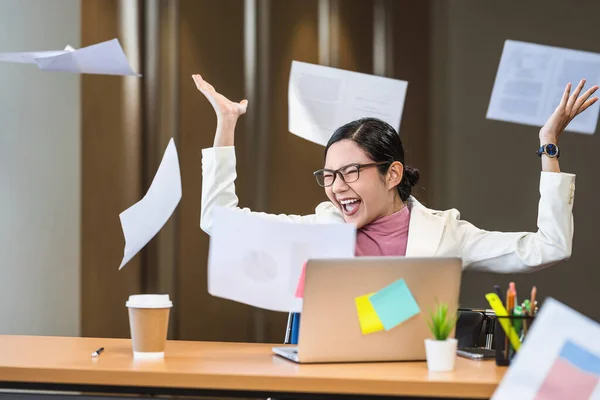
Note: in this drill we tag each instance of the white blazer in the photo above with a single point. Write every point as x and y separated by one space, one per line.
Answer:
431 232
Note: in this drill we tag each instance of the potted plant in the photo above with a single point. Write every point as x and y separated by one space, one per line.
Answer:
441 350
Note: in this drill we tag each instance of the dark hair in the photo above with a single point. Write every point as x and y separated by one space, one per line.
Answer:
381 142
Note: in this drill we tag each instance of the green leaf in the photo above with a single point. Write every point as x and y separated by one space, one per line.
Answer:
430 325
440 322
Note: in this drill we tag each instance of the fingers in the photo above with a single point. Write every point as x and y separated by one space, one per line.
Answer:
574 104
585 105
201 84
243 105
221 104
197 79
565 97
584 97
573 98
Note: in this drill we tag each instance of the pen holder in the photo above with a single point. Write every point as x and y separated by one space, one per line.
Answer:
503 343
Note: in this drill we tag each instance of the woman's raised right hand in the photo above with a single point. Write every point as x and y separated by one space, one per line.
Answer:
224 107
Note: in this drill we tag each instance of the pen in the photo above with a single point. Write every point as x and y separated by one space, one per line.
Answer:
98 352
499 293
527 311
527 306
515 309
533 301
513 289
508 312
518 322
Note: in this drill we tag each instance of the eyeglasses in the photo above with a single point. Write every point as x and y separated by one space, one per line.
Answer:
348 173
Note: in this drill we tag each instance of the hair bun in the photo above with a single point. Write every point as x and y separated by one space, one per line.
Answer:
412 175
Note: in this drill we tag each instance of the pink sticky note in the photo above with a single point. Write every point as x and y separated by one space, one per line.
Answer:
300 287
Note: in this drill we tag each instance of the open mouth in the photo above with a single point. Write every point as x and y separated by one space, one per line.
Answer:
350 206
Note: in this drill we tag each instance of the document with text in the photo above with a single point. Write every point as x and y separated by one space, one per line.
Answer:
531 79
321 99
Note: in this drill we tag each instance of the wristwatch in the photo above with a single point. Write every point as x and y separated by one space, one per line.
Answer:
549 149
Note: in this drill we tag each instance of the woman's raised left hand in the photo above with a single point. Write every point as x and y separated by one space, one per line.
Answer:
569 107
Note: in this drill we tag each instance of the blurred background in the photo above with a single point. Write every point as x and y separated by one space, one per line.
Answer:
75 151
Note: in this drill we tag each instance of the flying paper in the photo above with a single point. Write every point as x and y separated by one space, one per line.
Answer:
142 221
106 58
321 99
531 79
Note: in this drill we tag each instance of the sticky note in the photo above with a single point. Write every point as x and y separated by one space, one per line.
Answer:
394 304
300 287
367 317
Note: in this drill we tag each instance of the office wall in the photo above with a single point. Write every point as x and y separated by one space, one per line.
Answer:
39 173
112 179
488 169
201 316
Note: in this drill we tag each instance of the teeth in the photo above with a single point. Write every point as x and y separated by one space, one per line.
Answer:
349 201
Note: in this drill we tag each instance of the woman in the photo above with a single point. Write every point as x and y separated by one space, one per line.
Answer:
368 184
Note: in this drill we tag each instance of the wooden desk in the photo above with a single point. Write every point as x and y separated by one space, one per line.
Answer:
223 369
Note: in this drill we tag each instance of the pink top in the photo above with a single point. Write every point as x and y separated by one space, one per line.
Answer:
386 236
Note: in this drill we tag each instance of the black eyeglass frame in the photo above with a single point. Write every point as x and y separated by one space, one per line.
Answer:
339 172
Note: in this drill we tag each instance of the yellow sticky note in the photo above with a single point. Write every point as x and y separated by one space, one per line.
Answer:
367 317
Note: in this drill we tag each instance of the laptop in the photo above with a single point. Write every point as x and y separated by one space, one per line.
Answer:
329 326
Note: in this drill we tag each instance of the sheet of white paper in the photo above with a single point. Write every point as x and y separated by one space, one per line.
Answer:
107 58
531 79
29 57
560 355
258 260
321 99
142 221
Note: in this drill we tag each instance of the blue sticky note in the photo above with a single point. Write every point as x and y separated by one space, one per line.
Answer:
394 304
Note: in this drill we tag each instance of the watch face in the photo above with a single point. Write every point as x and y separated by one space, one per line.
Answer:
551 150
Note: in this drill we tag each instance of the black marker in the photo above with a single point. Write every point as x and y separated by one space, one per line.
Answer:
98 352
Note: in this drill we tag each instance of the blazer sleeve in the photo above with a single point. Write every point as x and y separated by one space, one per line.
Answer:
525 251
218 188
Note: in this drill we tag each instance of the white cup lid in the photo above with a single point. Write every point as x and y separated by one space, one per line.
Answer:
149 301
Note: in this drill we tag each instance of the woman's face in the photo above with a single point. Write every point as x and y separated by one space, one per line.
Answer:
367 198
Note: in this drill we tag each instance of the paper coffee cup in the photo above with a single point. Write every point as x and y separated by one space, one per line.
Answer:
148 324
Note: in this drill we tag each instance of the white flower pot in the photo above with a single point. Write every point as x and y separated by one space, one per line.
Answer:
440 354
